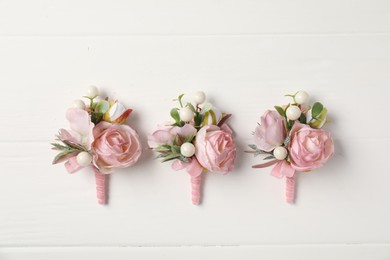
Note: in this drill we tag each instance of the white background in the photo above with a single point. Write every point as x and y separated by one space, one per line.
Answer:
245 55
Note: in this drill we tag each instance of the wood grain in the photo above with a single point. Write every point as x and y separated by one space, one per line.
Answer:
245 55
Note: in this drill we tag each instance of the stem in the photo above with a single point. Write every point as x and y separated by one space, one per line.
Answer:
196 183
290 189
101 187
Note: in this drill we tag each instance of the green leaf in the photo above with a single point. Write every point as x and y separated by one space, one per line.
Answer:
179 123
289 124
317 109
63 155
188 139
175 149
102 106
175 114
190 106
61 147
280 110
258 152
96 117
74 145
198 119
179 98
291 95
253 146
163 148
302 118
269 157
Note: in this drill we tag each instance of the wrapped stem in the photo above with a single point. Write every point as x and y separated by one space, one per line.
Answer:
101 187
290 189
196 183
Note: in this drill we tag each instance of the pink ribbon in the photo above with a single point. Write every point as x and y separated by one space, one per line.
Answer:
195 170
282 169
290 189
196 183
101 179
72 165
101 184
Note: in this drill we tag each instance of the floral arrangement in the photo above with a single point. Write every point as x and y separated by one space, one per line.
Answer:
292 139
97 138
198 140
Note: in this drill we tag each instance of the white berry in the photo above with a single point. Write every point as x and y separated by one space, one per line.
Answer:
293 112
92 92
199 97
187 149
301 97
84 159
186 114
280 153
78 103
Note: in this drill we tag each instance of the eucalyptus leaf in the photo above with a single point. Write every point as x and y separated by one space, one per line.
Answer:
175 149
61 147
269 157
163 148
176 141
64 155
258 152
74 145
253 146
188 139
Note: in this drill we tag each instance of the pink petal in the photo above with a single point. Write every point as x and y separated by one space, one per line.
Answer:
79 120
187 130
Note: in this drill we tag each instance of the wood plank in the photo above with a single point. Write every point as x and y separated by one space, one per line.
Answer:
42 76
345 202
101 17
275 252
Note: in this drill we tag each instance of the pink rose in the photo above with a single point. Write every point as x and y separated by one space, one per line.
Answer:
215 148
271 132
309 148
115 146
166 134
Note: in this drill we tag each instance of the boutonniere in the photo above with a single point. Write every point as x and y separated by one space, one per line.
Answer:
293 140
98 138
198 140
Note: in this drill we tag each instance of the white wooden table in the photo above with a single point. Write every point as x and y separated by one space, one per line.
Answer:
246 55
